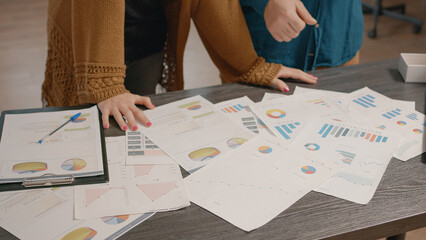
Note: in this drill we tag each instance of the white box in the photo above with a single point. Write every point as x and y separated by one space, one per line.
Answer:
412 67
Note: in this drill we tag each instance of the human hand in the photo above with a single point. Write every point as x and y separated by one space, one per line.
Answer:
286 72
125 105
285 19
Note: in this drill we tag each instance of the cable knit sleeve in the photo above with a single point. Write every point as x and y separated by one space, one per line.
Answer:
97 82
98 49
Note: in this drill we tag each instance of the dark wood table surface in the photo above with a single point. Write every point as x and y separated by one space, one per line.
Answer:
398 206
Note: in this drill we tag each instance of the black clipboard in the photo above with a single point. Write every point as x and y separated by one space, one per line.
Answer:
51 180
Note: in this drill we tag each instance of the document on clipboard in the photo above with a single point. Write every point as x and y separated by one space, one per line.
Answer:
70 152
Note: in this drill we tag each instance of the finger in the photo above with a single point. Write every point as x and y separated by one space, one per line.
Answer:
290 32
146 101
305 15
119 119
300 75
140 116
297 24
128 114
105 118
280 84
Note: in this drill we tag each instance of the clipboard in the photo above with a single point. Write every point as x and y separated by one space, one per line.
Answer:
49 180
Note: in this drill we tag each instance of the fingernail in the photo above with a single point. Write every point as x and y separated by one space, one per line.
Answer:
153 105
286 89
106 125
125 128
148 124
135 128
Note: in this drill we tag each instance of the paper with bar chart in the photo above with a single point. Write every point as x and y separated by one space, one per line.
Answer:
237 109
285 117
393 115
49 213
74 149
141 150
363 152
193 131
249 186
131 190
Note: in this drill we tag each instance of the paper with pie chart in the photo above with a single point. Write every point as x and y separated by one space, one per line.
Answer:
284 116
75 149
131 190
363 153
393 115
48 214
249 186
193 131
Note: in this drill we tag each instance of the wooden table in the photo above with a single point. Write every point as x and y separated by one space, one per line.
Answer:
398 206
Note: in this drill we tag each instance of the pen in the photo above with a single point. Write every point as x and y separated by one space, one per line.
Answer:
72 119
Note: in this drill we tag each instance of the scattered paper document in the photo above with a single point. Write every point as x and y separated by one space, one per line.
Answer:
363 152
252 184
193 131
141 150
47 214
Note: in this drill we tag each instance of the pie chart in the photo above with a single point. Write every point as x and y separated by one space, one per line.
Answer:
115 219
308 169
194 107
265 149
275 113
236 142
83 233
73 164
418 131
312 146
204 154
29 167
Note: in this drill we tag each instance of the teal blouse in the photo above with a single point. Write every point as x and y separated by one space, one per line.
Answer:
333 43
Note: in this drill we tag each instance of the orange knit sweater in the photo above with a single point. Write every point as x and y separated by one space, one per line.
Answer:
85 62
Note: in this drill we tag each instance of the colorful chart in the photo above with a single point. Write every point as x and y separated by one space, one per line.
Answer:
29 167
236 142
286 129
83 233
347 157
115 219
80 119
391 114
233 109
308 169
312 146
418 131
204 154
194 107
275 113
401 123
329 130
73 164
265 149
381 127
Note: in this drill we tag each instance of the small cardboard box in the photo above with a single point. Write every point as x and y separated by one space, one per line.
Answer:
412 67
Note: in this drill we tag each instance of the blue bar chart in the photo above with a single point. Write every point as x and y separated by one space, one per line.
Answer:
329 130
412 116
366 101
286 129
392 113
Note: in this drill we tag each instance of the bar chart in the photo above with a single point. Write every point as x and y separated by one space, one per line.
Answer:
338 131
392 113
366 101
233 109
287 129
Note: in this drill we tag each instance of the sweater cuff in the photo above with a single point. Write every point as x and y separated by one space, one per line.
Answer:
262 73
97 82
